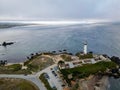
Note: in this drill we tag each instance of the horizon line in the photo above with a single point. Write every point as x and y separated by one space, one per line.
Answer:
87 21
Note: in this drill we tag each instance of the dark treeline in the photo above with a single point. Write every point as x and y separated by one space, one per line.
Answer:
3 62
115 59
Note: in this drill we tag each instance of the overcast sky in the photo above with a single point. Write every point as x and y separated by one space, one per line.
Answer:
59 9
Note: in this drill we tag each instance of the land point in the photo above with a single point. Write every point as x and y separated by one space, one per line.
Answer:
63 70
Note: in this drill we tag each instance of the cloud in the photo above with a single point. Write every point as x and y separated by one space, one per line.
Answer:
59 9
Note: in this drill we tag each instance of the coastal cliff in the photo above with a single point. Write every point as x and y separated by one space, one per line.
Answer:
94 83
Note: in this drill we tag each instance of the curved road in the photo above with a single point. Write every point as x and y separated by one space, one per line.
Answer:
32 78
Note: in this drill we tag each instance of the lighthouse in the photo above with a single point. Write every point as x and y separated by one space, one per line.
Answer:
85 48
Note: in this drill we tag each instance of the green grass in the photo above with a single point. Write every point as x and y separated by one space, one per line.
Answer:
16 84
88 69
33 67
89 55
45 81
15 67
38 64
25 86
66 57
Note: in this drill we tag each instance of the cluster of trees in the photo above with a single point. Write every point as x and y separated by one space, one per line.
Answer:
61 63
115 59
3 62
31 57
56 52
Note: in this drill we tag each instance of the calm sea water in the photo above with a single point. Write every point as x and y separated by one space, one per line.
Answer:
101 38
114 84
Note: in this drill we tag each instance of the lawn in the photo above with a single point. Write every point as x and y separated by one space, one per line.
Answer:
39 63
13 69
16 84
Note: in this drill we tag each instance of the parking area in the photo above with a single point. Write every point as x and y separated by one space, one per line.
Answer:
53 78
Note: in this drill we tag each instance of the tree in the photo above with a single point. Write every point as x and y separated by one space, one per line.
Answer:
3 62
61 63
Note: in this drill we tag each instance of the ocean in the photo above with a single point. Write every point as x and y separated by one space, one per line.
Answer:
102 38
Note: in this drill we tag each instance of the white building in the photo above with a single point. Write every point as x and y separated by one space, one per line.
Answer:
85 48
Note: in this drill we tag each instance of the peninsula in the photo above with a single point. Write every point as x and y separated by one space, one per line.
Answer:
60 70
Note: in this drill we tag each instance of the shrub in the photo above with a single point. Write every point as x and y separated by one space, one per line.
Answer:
66 57
15 67
45 81
32 67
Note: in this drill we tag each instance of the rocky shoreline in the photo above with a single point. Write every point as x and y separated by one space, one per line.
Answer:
94 83
103 83
6 43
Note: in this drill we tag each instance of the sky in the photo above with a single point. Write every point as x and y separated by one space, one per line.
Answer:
59 9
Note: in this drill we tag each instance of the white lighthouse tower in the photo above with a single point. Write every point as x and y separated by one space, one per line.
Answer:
85 48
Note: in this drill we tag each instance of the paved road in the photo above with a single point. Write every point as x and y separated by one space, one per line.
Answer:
35 78
31 78
54 81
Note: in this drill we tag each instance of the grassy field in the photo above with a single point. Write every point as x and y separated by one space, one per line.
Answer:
16 84
39 63
66 57
88 69
13 69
